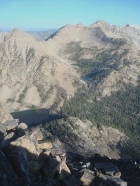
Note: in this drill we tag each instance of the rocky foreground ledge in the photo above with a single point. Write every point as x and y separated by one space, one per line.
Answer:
27 160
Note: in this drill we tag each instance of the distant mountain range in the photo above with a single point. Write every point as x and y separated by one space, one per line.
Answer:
77 70
20 53
38 34
42 35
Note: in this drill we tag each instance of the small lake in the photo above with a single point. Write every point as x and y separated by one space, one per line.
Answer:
31 117
85 78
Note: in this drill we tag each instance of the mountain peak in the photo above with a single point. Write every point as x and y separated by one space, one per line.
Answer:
17 31
100 23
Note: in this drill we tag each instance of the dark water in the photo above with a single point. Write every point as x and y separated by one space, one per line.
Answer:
31 117
85 78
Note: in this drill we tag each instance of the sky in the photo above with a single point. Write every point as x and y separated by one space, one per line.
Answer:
48 14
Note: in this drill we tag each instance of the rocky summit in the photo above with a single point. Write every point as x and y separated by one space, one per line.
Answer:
27 159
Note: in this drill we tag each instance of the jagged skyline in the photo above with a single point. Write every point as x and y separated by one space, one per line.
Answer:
55 14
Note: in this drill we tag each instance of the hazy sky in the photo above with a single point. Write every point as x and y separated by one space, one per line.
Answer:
57 13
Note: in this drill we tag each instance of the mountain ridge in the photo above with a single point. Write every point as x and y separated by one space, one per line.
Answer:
75 69
116 31
18 44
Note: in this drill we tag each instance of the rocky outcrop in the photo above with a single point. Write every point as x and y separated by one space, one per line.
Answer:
24 142
11 124
28 161
22 126
2 130
63 170
45 145
36 135
87 177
